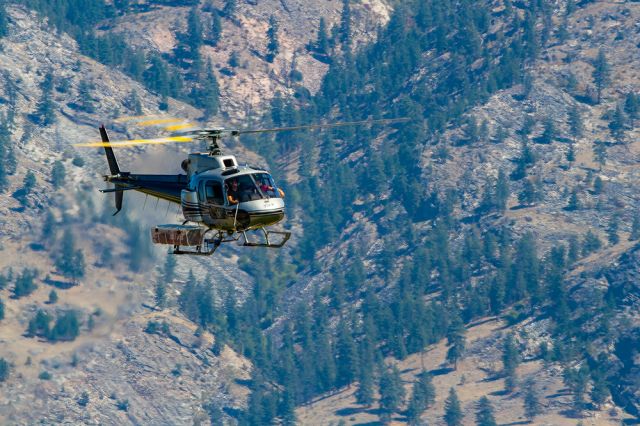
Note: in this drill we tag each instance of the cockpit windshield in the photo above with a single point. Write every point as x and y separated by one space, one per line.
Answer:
241 189
267 185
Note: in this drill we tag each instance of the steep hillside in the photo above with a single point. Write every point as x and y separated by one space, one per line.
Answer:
485 248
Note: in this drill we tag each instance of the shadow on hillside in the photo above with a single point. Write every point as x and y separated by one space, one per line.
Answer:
521 422
441 371
349 411
61 284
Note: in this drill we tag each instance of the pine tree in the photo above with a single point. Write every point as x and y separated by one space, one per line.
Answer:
4 24
209 96
600 153
273 45
612 230
58 173
635 229
502 191
364 394
45 114
161 294
216 30
229 9
66 327
53 297
391 392
452 410
70 261
1 310
574 202
510 361
4 365
617 125
456 339
322 42
346 356
345 25
632 107
590 243
601 73
576 126
549 133
531 400
484 413
422 397
25 284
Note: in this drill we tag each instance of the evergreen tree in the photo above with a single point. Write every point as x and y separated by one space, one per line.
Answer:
58 174
39 324
364 393
574 202
1 310
70 261
456 339
345 25
346 356
85 96
25 283
601 73
571 153
531 400
529 194
273 45
391 393
502 191
484 413
133 102
617 125
600 153
549 133
635 229
598 185
66 327
612 230
4 24
322 42
510 361
161 294
45 114
229 9
576 126
632 107
53 297
591 243
422 397
4 365
209 96
216 30
452 410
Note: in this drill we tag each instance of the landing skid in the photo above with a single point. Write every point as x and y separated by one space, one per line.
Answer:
267 243
210 245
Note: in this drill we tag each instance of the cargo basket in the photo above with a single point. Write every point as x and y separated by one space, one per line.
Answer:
178 235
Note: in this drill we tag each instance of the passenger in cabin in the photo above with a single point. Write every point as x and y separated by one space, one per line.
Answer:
233 193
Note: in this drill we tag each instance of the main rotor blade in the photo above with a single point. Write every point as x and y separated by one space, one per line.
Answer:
134 142
322 126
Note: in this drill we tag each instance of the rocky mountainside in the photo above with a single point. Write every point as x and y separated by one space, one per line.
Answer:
403 235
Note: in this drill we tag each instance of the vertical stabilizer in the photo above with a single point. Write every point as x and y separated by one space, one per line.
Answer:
113 167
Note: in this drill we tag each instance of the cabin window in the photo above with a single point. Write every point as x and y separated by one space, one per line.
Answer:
267 185
213 192
241 189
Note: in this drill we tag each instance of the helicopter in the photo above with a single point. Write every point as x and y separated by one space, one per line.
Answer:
220 200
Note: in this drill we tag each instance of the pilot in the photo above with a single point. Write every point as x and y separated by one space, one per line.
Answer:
233 192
